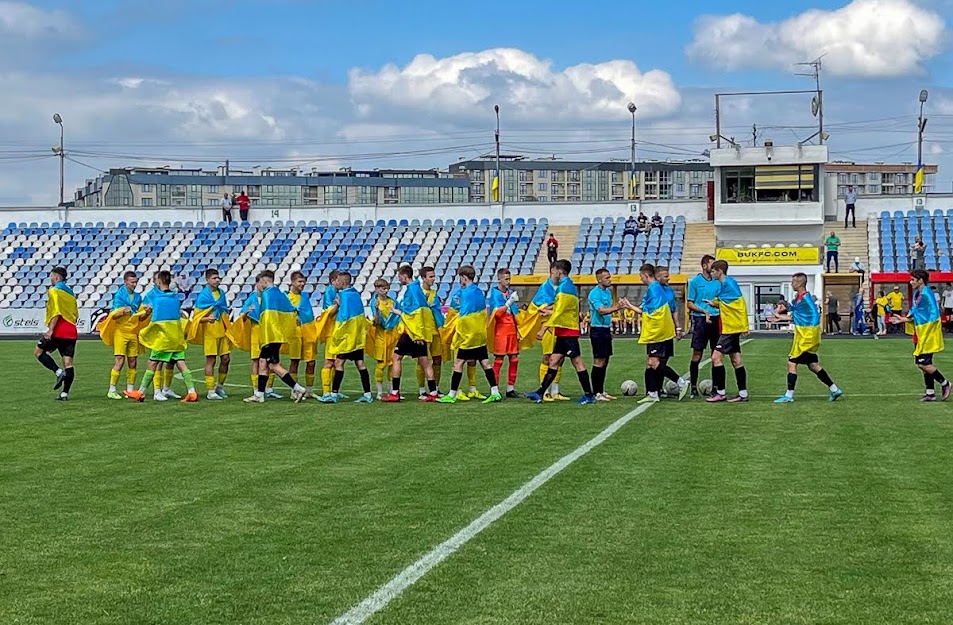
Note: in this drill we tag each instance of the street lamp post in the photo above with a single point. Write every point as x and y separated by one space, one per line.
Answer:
58 120
633 182
921 125
499 181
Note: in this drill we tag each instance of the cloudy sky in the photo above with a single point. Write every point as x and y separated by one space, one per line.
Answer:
377 83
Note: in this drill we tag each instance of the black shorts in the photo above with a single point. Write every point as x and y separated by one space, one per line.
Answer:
406 346
807 358
478 354
66 347
705 335
729 344
567 346
924 359
270 353
601 340
662 350
355 356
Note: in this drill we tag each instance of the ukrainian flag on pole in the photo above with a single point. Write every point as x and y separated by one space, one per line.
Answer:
496 187
918 179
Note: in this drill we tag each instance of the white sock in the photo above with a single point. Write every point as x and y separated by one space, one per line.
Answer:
269 390
509 388
789 394
59 372
653 394
422 390
495 390
473 389
112 388
380 388
130 387
192 390
454 392
299 389
930 391
682 383
554 389
259 394
834 388
743 393
367 394
166 389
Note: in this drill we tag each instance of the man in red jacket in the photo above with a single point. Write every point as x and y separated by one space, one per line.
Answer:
552 248
244 203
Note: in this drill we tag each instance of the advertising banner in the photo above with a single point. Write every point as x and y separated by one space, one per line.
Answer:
769 256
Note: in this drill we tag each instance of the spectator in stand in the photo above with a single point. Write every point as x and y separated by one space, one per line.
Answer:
643 222
244 203
631 227
858 267
552 248
657 221
226 208
947 297
184 284
832 243
849 213
917 253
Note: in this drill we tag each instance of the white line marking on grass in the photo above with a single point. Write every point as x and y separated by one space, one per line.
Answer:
379 599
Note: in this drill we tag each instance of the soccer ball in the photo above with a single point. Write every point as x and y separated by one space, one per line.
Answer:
630 387
670 388
705 387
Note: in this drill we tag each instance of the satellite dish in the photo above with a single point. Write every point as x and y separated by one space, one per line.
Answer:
815 105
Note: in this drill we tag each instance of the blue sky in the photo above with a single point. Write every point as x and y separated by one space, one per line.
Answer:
330 84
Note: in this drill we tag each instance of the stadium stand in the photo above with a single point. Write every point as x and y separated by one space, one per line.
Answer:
600 244
896 235
97 254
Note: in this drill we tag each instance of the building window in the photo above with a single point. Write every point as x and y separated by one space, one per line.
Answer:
542 187
147 201
193 201
213 188
574 176
163 201
738 185
695 190
194 188
679 188
146 188
162 187
573 189
524 188
873 189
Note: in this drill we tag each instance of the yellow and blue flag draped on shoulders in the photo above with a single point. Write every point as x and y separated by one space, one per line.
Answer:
239 333
350 328
308 329
470 324
277 318
530 322
449 327
150 295
566 307
928 334
122 324
807 325
207 304
383 332
657 323
61 302
324 324
166 329
734 309
417 316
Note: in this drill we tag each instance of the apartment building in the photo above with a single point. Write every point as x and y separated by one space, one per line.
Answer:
163 186
880 178
552 180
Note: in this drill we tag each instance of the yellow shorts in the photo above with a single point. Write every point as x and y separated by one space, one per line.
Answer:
435 349
217 346
126 346
327 352
548 342
255 341
299 350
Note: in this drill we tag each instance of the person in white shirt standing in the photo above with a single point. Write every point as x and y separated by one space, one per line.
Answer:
947 300
226 209
850 199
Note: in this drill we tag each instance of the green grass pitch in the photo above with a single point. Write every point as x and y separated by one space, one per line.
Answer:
279 514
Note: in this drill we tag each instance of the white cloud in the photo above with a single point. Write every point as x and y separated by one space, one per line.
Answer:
522 84
866 38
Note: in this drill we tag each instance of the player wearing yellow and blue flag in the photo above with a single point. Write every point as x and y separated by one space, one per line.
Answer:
734 323
806 317
163 380
165 337
470 337
277 320
564 320
419 325
706 320
535 326
348 340
436 346
383 333
120 330
659 329
446 338
928 333
326 329
209 328
305 345
62 314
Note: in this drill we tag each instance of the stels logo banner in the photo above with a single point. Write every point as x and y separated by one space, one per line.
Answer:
32 321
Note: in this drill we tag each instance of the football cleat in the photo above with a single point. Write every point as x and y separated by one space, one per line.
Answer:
159 396
390 398
738 399
928 397
493 398
461 397
476 395
784 399
220 391
254 399
138 396
512 395
536 398
944 391
682 392
648 399
364 399
190 398
560 397
170 394
212 395
273 395
840 393
449 399
113 395
59 379
716 398
586 399
429 398
330 398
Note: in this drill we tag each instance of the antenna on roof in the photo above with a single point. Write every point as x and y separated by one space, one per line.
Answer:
817 102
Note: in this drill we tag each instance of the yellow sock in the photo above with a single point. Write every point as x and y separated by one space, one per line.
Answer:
471 374
271 380
222 377
309 380
157 381
254 381
131 378
421 377
327 380
113 377
168 375
210 382
379 372
542 372
559 375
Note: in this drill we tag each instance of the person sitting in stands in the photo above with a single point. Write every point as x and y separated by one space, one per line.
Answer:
631 227
657 221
